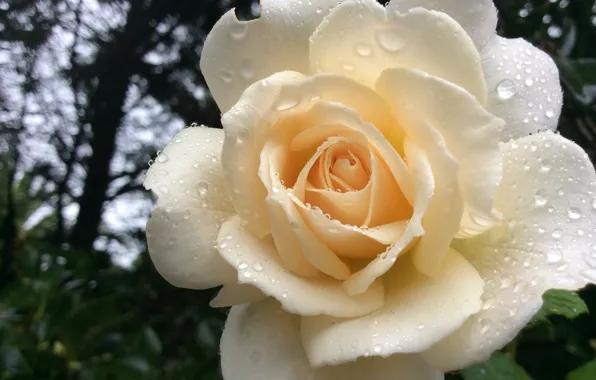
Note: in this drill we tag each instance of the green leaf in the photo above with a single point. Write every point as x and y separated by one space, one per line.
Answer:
152 340
560 302
585 69
585 372
499 367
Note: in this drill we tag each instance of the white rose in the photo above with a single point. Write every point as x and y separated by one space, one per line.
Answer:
387 197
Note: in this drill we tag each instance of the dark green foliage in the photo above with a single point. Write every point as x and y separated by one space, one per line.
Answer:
498 367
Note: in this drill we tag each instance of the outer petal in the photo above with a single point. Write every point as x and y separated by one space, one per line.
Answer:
245 131
237 294
360 39
192 204
523 87
259 264
547 241
439 116
477 17
237 54
419 311
261 341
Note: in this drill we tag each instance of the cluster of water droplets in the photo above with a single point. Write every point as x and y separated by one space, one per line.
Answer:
547 236
386 41
526 80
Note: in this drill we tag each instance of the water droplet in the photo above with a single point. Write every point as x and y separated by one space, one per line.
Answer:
529 82
506 89
574 213
242 265
238 31
557 233
390 40
550 113
203 187
363 50
513 311
553 257
247 71
256 356
507 281
348 66
287 103
540 198
421 326
227 76
257 266
378 349
545 166
162 158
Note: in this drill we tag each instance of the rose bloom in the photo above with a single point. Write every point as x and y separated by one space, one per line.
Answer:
387 198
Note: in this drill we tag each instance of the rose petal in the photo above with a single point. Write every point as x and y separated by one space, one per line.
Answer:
245 130
350 241
349 208
239 53
237 294
477 17
258 264
410 367
255 118
547 198
441 220
428 106
261 341
424 190
419 311
387 202
286 240
523 87
192 204
314 250
336 113
360 39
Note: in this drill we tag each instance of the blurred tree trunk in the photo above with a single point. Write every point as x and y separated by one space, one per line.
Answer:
115 64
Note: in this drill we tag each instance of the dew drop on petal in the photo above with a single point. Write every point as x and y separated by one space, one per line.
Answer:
540 198
553 257
203 187
287 103
162 158
506 89
573 213
390 40
238 31
363 50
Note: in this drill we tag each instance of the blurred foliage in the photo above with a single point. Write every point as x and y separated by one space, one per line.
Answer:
66 311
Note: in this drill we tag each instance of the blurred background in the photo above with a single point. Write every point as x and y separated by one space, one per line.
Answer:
89 91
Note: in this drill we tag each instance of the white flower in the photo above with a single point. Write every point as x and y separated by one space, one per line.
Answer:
389 199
